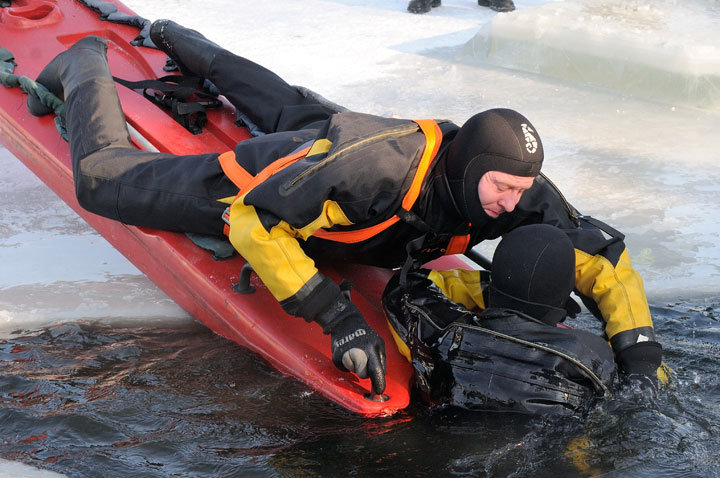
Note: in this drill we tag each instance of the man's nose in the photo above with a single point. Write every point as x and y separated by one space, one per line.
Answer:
510 200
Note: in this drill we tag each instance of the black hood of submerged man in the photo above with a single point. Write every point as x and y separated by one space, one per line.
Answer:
533 272
494 140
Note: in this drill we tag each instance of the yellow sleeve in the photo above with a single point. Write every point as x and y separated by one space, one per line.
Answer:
461 286
275 254
618 291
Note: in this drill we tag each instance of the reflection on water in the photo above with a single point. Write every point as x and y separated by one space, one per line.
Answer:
90 399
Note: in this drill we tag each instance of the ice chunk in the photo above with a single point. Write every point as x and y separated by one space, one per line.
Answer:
663 51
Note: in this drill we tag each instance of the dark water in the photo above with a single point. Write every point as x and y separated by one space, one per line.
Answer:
92 399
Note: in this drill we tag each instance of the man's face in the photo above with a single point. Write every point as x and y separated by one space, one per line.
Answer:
500 192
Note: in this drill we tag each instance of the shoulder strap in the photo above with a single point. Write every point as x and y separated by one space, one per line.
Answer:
246 181
236 173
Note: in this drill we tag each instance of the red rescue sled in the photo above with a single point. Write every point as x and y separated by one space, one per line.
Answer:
37 30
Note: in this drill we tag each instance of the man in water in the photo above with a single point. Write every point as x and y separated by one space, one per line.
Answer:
328 184
512 356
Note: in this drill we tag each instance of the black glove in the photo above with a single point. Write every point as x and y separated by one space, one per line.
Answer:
638 364
356 347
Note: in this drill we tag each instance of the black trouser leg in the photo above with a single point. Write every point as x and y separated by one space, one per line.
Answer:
115 180
263 96
268 100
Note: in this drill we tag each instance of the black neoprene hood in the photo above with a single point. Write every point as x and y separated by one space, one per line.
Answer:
533 272
494 140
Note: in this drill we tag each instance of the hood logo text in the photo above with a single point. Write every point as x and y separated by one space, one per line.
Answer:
531 143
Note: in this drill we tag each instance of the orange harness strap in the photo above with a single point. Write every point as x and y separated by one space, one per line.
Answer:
236 173
246 181
458 245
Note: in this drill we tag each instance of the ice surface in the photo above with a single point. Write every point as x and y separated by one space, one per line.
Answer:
12 469
54 267
664 50
646 166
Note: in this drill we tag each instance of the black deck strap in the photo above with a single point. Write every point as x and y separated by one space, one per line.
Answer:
191 116
175 93
109 12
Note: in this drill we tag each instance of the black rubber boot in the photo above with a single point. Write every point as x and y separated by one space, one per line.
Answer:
422 6
191 51
498 5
